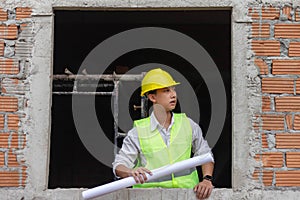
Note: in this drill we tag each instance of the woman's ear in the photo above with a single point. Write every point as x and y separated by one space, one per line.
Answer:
152 98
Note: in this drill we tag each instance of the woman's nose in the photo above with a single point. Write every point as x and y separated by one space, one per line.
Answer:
173 93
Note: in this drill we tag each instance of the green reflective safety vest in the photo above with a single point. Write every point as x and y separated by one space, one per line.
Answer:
158 154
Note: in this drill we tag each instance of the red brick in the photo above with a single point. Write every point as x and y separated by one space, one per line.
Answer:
278 85
8 32
287 104
23 12
265 13
9 178
14 86
286 67
3 15
12 160
24 176
13 122
22 143
287 30
294 49
267 177
293 159
287 178
257 157
298 86
266 47
264 141
272 159
9 66
289 121
272 122
2 90
14 143
297 122
297 16
1 47
286 11
23 27
17 141
263 67
287 141
260 30
4 137
2 157
1 121
256 174
266 104
8 104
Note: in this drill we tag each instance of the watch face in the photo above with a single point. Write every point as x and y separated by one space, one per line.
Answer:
208 177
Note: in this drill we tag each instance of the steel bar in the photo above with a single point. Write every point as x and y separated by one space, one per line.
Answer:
144 106
107 77
121 134
94 85
83 93
116 115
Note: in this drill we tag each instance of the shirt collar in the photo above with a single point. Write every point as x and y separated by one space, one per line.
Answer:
155 124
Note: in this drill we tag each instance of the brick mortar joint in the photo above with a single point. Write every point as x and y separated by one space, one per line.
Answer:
276 5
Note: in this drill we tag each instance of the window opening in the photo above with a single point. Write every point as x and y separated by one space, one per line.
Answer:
70 163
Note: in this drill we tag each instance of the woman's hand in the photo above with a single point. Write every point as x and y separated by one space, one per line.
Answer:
139 174
203 189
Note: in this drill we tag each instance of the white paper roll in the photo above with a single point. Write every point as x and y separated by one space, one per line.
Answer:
156 173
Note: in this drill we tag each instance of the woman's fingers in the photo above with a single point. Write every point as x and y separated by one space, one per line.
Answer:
139 174
135 176
147 171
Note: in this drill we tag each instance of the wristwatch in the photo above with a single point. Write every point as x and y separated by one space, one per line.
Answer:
207 177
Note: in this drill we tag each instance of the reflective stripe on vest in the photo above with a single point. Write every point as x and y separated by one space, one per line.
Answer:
158 154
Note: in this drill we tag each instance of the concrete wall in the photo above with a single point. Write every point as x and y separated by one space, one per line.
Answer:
25 101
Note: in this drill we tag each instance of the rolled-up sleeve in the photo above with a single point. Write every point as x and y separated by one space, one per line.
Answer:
200 145
129 152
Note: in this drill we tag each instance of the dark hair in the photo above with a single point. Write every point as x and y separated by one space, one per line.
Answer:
151 92
149 102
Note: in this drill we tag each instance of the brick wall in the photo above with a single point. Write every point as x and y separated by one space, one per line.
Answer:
275 42
14 58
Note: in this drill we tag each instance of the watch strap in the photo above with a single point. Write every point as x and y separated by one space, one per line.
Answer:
208 177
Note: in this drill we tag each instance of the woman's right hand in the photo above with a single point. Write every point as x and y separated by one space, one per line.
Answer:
139 174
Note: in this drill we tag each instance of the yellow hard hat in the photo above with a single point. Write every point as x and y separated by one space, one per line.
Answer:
156 79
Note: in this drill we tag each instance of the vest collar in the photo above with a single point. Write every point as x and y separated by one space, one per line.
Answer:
154 124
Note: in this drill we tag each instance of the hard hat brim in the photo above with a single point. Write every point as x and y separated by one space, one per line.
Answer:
156 87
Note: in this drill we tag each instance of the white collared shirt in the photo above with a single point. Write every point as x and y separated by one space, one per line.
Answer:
131 149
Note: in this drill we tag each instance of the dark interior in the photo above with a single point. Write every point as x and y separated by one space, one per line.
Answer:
76 33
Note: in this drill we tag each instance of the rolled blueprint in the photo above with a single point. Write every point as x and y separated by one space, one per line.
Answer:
156 173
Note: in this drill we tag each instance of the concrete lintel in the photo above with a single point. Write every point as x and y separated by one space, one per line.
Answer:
46 6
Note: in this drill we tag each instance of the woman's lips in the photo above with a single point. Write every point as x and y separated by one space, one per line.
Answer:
172 102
